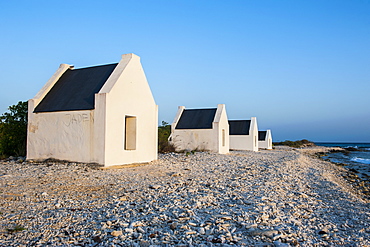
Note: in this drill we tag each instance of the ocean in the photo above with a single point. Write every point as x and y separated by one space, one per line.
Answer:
357 158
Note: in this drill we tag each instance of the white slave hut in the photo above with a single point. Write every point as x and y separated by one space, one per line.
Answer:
103 114
244 134
201 129
265 139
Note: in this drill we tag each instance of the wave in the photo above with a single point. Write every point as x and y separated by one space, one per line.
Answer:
361 160
352 147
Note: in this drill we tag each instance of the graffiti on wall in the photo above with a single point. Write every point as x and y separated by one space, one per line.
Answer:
72 119
63 135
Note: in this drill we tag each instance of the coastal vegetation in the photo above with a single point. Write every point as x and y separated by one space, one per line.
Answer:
13 130
295 144
164 132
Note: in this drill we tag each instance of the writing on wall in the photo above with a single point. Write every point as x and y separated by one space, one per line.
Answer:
71 119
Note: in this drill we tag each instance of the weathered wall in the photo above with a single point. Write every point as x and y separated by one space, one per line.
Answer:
194 139
214 140
267 143
126 93
246 142
241 142
60 135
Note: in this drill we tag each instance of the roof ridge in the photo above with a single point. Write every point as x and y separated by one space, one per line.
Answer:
94 66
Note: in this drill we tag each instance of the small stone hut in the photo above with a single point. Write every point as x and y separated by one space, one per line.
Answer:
265 139
244 134
103 114
201 129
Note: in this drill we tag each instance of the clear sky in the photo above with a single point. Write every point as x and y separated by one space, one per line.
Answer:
301 67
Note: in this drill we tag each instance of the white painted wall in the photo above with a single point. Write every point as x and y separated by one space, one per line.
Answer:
221 129
194 139
202 139
60 135
267 143
246 142
180 109
126 93
98 135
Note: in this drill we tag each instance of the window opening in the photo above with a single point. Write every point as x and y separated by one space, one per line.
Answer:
130 133
255 141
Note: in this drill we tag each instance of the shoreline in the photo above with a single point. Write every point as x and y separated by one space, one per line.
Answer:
355 178
282 197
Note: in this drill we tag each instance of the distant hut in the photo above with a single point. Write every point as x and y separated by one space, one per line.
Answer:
243 134
103 114
265 139
201 129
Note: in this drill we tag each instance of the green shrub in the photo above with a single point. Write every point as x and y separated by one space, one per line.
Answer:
164 132
13 130
295 144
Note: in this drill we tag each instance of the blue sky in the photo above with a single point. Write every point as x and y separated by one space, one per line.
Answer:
301 67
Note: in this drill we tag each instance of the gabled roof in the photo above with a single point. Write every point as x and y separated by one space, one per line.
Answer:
76 89
262 135
196 119
239 127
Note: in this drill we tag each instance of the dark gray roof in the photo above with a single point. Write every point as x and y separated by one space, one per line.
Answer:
76 89
262 135
239 127
196 119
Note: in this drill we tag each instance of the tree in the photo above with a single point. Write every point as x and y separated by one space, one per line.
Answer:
13 130
164 132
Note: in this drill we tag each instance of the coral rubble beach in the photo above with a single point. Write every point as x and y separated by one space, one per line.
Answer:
281 197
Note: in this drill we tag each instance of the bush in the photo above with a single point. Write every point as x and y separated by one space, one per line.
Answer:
164 132
295 144
13 130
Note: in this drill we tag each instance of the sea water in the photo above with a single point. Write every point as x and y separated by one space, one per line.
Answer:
358 159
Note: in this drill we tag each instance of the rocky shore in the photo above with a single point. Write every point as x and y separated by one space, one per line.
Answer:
282 197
